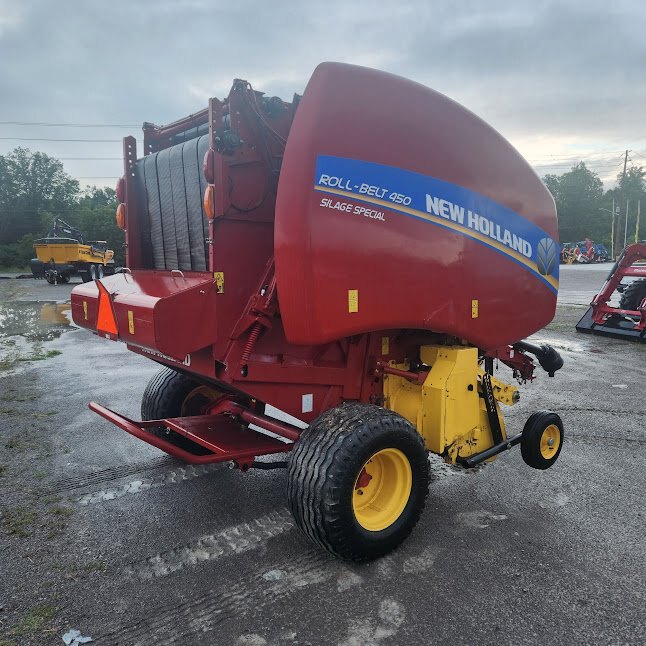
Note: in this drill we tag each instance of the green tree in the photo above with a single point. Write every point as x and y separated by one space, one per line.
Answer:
630 194
31 183
35 189
578 194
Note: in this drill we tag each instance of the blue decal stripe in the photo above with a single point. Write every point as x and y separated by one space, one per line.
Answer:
550 281
444 204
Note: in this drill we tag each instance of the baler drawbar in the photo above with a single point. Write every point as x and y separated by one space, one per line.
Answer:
333 279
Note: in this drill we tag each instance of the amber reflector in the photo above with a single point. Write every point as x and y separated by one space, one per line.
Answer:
121 216
209 202
105 321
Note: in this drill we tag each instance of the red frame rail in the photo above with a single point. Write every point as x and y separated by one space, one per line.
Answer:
224 435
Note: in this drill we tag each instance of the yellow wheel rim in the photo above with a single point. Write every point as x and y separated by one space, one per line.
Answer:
550 441
382 489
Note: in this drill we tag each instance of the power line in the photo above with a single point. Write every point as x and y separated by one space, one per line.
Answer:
105 141
89 158
69 125
572 166
602 167
578 155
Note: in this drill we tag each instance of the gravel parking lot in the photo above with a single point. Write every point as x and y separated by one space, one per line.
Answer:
103 534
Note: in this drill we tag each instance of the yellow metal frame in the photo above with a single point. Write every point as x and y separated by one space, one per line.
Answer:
70 252
448 409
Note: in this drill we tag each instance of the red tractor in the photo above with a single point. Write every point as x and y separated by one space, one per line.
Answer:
627 319
357 258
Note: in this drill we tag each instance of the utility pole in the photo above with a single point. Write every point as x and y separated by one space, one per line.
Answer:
626 225
612 231
617 251
639 203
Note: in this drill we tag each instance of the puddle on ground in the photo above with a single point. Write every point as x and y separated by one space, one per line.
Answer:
34 321
26 325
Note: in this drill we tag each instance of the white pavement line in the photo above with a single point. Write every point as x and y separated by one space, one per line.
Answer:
232 540
143 484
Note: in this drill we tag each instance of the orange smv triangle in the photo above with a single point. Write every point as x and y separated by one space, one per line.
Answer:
105 319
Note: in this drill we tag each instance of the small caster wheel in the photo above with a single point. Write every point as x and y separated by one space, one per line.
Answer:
542 439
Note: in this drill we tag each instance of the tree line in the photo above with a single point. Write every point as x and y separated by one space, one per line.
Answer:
585 209
34 189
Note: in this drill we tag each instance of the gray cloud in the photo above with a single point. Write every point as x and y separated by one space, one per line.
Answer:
556 78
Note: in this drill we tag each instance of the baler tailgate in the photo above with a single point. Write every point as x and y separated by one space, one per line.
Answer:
224 438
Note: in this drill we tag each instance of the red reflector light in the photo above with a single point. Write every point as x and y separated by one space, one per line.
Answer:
120 190
121 216
208 166
209 202
105 319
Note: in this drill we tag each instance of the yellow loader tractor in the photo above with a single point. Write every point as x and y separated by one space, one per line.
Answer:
64 253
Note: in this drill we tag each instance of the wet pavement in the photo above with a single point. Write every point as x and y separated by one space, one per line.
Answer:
105 535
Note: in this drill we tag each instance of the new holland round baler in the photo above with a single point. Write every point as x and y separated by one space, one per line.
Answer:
357 258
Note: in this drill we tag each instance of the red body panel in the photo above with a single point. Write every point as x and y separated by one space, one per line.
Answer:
172 313
408 274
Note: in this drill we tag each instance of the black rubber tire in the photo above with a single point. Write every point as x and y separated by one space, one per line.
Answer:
85 275
530 443
323 469
162 399
64 279
50 279
633 294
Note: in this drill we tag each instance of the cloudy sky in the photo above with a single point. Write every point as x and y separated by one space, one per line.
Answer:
561 80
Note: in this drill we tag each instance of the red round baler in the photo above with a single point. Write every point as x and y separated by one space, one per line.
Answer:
351 262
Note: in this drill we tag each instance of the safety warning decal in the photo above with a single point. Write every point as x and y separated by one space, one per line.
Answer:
381 189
